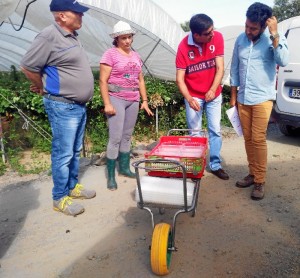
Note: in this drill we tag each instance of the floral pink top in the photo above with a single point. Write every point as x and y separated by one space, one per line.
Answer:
125 72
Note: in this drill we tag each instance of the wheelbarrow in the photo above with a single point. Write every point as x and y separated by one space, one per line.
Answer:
166 186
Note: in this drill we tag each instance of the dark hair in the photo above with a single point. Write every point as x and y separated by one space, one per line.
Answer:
259 13
115 41
200 23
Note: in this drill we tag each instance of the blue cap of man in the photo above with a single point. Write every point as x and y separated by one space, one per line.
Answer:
67 5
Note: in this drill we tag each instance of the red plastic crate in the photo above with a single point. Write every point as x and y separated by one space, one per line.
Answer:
189 150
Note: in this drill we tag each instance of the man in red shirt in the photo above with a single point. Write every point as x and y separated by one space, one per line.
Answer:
200 69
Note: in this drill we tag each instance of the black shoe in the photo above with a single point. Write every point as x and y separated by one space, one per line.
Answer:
220 173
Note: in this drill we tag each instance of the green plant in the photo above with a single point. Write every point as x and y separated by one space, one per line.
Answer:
224 119
16 99
226 94
34 166
38 164
6 106
3 167
97 134
167 90
14 156
180 118
96 128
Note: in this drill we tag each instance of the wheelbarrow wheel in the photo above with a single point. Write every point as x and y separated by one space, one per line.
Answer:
160 255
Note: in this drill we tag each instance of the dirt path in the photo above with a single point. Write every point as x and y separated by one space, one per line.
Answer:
230 236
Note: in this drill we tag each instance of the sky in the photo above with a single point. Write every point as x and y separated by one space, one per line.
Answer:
222 12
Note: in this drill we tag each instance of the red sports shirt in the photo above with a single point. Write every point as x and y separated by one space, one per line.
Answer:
200 69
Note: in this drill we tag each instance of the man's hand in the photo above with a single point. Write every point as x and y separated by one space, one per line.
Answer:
233 102
194 104
36 81
233 96
272 25
210 95
37 90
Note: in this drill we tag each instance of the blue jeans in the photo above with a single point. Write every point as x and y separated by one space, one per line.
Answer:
68 125
213 114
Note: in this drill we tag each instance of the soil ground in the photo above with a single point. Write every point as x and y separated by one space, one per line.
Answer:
230 235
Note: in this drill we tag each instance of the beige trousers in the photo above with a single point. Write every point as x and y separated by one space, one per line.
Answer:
254 121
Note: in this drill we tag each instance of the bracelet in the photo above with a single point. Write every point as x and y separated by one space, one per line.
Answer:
273 37
145 100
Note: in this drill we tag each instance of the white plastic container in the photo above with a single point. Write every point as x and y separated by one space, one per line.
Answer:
164 191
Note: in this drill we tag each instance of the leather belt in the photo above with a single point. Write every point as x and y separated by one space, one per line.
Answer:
62 99
116 89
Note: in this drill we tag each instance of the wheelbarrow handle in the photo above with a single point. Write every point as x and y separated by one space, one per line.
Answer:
201 131
175 163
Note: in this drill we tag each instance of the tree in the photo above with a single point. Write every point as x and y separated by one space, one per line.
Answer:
185 26
284 9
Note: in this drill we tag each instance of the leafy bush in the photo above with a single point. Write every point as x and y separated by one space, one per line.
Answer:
2 168
164 99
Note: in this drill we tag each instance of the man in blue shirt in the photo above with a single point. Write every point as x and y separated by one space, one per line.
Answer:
256 54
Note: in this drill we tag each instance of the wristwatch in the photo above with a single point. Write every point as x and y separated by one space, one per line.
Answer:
273 37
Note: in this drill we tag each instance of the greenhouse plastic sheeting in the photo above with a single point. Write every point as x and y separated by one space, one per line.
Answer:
156 40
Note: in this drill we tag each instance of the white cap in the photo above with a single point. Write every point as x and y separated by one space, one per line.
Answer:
121 28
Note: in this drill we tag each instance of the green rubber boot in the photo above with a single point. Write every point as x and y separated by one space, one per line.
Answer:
111 181
124 168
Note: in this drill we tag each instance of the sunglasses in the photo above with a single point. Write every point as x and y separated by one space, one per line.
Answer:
208 33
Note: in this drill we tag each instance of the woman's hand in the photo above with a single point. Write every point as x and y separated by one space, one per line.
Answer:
109 110
146 108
